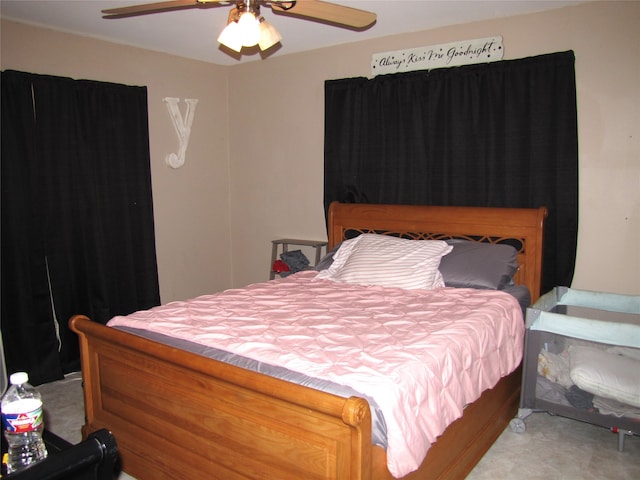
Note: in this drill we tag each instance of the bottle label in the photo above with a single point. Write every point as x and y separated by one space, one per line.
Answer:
15 420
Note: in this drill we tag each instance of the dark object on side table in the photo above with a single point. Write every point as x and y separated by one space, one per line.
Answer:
93 459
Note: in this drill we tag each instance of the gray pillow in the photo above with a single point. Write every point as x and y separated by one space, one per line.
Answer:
479 265
327 260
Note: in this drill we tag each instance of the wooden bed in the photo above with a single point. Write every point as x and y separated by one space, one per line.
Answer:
178 415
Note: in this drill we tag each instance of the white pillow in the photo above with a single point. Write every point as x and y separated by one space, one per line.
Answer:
372 259
346 247
606 374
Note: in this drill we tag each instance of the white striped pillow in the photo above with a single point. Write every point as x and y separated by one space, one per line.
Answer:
372 259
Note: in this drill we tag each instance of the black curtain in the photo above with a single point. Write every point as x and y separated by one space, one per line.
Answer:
502 134
77 214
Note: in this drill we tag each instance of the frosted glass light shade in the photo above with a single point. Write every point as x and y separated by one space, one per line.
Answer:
269 36
230 37
249 29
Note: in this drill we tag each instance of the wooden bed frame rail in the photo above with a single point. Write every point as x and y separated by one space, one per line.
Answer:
178 415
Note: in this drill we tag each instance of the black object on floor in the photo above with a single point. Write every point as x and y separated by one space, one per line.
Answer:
94 459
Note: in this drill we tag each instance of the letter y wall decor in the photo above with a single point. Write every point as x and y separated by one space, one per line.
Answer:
182 127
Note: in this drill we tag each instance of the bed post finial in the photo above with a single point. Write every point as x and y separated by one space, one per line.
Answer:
356 411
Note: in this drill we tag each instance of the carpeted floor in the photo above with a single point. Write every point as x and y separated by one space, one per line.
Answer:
551 448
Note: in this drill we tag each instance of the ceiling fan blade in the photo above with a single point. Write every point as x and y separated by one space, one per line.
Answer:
157 7
326 12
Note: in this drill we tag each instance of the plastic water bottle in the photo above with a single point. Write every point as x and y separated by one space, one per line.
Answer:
22 423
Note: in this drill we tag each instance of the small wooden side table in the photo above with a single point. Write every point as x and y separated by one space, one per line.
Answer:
284 244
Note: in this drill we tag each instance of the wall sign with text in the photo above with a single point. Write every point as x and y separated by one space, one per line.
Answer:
464 52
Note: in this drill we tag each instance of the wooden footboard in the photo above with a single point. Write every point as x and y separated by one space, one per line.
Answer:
179 415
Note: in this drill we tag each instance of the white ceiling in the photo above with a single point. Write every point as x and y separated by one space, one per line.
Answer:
192 33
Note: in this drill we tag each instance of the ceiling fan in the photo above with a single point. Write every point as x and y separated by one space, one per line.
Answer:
246 27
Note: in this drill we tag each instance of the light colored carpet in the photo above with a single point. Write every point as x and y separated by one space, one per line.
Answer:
551 448
558 448
63 406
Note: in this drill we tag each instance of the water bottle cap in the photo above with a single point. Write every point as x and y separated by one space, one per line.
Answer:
19 378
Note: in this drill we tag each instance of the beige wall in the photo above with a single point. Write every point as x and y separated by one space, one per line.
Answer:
254 168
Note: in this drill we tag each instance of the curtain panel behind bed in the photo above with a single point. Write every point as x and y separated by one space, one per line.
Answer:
77 214
501 134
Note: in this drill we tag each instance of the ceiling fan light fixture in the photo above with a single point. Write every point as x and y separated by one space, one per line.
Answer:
269 36
246 28
257 30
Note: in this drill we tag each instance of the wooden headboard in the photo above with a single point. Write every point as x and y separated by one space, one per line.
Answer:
521 227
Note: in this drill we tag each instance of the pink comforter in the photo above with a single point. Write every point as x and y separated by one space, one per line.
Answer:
422 355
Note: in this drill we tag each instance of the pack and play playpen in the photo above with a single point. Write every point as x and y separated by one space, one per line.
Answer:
582 359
